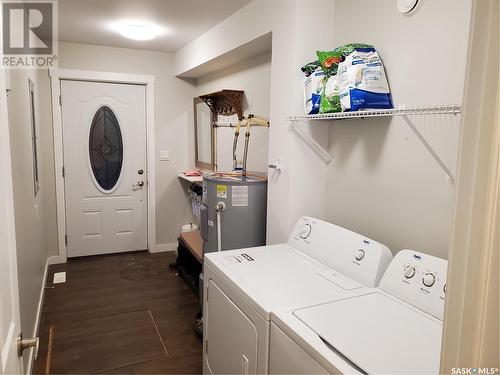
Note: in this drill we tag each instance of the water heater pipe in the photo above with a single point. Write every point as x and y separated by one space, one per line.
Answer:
245 154
248 122
235 143
219 207
247 139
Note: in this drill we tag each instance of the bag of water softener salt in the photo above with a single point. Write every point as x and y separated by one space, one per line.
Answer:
312 87
329 61
362 81
330 99
312 92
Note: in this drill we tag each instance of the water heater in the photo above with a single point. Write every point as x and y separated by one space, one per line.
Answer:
233 214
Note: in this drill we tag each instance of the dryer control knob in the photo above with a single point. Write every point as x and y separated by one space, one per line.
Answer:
360 254
409 272
305 231
429 279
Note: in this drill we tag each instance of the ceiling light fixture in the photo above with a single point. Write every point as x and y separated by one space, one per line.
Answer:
137 30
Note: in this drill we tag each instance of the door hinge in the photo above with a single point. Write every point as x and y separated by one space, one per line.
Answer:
206 347
63 172
207 293
66 239
60 100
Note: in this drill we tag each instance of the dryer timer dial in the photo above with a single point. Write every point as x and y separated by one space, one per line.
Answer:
409 272
305 231
360 254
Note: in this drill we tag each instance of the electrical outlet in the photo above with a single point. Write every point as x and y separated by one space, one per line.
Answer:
164 155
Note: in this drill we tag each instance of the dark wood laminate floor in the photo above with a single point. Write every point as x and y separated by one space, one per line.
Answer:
121 314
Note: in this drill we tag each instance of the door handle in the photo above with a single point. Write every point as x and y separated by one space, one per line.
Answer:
138 186
23 344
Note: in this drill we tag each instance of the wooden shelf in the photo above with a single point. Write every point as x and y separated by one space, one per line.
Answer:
225 102
192 179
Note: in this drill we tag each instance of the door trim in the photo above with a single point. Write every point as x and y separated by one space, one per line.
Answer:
471 308
148 81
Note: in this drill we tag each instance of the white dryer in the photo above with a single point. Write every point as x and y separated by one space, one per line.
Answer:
319 262
393 329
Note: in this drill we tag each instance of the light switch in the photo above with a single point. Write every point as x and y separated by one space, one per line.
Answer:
164 155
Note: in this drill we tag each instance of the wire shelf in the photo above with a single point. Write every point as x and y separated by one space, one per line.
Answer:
404 111
450 109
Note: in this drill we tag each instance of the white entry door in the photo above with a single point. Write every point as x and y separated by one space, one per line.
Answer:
104 136
10 326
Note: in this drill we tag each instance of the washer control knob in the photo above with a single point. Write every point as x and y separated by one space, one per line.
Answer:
429 279
305 231
409 272
360 254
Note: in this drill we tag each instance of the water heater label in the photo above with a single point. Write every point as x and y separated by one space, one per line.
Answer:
239 196
222 191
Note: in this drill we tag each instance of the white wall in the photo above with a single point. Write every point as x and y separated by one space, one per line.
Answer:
383 182
254 77
300 188
173 124
233 32
30 211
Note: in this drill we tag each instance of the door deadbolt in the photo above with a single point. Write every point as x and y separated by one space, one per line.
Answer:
23 344
140 171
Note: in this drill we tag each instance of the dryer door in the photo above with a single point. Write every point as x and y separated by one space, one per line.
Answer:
231 338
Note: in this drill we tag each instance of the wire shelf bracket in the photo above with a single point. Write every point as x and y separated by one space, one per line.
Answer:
322 153
449 175
402 111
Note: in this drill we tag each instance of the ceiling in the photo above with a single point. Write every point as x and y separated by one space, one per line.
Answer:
89 21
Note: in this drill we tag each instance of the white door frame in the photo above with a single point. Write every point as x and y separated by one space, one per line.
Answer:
148 81
9 360
471 308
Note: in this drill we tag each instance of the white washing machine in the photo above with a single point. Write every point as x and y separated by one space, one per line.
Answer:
319 262
393 329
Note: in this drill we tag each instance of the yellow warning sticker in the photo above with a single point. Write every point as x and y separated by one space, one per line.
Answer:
222 191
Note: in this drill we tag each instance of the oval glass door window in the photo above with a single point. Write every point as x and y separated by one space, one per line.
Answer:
106 148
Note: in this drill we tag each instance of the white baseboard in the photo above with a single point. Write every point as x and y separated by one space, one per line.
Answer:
56 259
31 357
164 247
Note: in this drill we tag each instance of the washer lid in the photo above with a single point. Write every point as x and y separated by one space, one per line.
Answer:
276 276
378 333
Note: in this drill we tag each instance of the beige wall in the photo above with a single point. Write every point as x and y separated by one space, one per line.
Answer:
383 182
173 124
29 211
254 77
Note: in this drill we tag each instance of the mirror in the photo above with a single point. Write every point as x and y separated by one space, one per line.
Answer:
204 135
